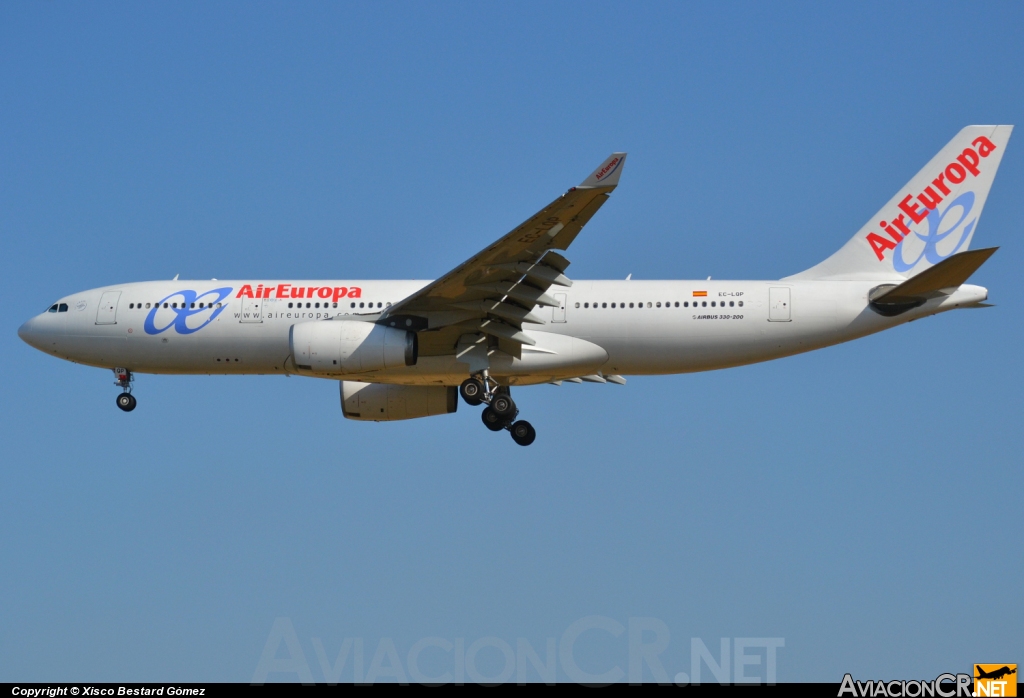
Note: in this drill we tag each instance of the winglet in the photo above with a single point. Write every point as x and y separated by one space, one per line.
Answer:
607 175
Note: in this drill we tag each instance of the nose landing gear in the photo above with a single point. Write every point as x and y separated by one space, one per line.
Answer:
501 410
126 401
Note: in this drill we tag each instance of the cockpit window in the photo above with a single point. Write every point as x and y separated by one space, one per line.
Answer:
52 308
62 308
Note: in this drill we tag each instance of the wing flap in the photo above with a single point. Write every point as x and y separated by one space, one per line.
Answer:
538 271
505 311
520 292
503 331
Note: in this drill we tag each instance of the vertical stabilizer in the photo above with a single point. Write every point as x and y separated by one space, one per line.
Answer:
931 218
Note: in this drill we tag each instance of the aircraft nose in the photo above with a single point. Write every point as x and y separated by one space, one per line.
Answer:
29 333
25 332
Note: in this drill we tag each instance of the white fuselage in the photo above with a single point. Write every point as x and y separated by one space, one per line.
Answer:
655 327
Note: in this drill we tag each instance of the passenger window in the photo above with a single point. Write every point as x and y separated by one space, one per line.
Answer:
731 304
147 305
360 305
741 304
577 305
353 305
378 304
334 305
317 305
704 304
191 305
659 304
677 304
604 305
649 304
630 305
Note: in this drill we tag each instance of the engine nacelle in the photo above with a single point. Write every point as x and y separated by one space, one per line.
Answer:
336 347
379 402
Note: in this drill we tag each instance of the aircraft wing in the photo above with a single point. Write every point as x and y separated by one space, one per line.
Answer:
494 291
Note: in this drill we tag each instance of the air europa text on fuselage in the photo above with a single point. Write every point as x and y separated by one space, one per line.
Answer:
955 173
291 291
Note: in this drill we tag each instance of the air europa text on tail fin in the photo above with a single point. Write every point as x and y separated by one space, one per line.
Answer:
928 219
918 208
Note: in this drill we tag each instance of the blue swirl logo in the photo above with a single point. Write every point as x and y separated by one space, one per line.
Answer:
935 234
191 305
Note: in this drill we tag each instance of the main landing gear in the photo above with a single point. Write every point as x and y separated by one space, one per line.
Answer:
126 401
501 410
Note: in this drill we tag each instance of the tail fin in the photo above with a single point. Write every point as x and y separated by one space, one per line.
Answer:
931 218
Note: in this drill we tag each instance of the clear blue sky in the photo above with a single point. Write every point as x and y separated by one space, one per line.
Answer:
861 502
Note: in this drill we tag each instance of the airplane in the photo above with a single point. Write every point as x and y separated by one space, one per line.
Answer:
996 673
509 315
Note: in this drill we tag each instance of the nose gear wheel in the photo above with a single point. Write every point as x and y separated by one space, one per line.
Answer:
126 401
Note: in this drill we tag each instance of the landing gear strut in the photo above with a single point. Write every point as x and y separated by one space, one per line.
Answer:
501 410
126 401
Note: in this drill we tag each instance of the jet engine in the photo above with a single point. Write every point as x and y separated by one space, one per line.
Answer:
378 402
336 347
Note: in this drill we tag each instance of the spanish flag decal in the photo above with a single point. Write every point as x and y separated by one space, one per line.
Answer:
700 294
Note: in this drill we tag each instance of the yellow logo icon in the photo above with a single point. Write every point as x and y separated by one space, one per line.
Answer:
995 680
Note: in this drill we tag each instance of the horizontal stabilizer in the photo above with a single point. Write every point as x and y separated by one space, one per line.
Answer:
950 273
